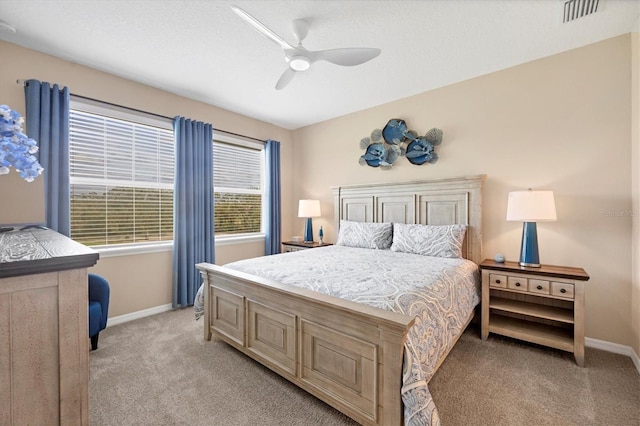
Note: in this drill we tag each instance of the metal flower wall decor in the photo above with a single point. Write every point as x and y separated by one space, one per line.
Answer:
385 146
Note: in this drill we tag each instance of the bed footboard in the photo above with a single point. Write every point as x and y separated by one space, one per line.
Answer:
347 354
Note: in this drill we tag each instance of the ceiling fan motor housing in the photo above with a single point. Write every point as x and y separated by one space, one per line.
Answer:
299 63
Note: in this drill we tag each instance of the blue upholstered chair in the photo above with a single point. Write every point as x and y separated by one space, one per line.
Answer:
98 307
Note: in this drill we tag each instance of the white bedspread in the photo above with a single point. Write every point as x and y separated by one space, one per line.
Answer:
441 293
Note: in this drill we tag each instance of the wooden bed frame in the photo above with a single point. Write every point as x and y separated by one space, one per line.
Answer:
345 353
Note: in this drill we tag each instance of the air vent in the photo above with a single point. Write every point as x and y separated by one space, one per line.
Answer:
574 9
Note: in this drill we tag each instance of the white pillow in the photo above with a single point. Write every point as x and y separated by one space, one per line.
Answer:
429 240
365 234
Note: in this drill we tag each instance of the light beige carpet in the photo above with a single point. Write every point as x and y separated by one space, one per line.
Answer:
159 371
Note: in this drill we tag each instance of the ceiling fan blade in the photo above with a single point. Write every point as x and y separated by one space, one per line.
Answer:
300 29
348 56
285 79
261 28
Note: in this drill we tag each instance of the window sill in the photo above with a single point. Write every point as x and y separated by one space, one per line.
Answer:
145 248
132 249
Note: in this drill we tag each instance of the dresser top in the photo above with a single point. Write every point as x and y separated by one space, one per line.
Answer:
38 250
545 270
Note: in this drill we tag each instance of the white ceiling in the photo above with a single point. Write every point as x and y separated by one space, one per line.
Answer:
204 51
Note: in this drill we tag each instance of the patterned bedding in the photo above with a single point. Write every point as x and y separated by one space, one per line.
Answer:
440 292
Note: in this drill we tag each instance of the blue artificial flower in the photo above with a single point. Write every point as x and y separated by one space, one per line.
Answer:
16 148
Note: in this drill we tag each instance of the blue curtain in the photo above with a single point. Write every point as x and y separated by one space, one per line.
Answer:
193 233
273 216
47 122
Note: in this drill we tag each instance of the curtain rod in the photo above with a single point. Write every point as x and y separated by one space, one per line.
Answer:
24 83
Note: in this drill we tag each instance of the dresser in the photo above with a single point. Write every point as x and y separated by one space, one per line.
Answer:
542 305
44 340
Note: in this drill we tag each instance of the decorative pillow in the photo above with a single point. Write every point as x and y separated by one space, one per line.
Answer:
365 234
429 240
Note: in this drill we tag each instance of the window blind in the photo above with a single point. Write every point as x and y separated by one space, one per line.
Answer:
238 188
121 176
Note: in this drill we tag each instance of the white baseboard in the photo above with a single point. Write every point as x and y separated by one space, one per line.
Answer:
138 314
615 348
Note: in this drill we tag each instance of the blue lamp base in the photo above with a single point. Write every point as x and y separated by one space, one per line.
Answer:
308 231
529 250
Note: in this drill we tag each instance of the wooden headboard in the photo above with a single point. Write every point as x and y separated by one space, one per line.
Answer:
429 202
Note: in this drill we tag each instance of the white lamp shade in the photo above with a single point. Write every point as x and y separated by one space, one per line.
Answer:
531 206
309 208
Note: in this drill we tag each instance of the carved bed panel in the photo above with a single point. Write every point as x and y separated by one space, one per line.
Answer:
342 364
272 335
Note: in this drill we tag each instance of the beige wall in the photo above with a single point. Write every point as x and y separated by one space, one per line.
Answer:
559 123
635 120
562 123
141 281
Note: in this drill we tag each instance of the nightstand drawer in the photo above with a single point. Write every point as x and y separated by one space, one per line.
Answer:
562 290
539 286
517 283
499 281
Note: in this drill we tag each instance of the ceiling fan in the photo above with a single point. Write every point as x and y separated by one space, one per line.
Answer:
300 59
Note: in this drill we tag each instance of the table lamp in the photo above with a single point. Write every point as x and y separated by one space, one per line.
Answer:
308 209
530 207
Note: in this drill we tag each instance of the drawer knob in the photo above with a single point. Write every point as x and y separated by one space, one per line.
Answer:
563 290
497 281
517 284
539 287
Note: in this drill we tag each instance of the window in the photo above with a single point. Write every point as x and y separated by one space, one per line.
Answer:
238 170
121 175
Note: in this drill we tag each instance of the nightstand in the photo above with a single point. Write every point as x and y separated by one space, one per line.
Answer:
288 246
540 305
